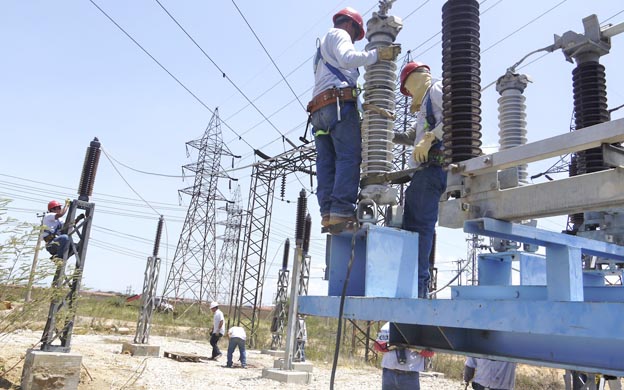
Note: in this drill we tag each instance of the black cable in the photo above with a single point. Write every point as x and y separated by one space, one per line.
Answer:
523 26
268 55
224 75
166 70
73 189
341 312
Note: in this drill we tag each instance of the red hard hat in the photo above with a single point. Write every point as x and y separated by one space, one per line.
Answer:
355 16
407 69
53 204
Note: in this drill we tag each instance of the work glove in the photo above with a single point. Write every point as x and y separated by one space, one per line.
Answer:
421 150
67 202
388 53
427 353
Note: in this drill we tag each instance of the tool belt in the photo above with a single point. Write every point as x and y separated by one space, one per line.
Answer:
435 157
330 96
48 239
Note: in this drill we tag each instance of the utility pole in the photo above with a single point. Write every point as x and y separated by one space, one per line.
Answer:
31 277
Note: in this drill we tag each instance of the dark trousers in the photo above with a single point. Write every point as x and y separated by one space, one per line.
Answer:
399 380
214 340
477 386
421 214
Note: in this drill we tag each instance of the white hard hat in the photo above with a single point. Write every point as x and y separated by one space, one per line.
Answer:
214 304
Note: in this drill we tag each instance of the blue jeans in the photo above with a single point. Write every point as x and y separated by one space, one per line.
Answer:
240 343
338 157
393 380
421 214
300 347
58 246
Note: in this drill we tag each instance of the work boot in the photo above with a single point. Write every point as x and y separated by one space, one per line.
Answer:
325 221
336 219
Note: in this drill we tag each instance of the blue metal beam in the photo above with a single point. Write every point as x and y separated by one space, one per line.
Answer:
585 336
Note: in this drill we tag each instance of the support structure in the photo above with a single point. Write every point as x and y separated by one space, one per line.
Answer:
227 262
148 296
256 237
194 272
59 326
561 314
281 300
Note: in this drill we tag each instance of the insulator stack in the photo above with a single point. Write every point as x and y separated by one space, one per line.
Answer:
158 234
379 85
286 251
590 108
512 115
283 189
306 238
461 78
302 206
92 158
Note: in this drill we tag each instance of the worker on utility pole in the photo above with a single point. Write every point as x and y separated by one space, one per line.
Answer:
428 183
56 242
334 114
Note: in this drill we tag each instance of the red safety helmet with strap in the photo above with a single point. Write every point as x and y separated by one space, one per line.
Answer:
53 204
407 70
355 16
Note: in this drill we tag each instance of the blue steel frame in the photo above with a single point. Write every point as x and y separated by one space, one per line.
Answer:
561 324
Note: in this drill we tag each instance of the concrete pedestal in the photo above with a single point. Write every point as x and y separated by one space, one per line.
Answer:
297 366
140 349
275 353
285 376
51 370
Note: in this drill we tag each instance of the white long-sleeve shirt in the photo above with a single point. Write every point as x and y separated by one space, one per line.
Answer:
338 50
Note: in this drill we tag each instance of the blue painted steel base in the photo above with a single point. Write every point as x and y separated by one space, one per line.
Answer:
385 262
569 322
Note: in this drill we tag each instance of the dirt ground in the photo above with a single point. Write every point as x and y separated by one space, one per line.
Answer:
106 368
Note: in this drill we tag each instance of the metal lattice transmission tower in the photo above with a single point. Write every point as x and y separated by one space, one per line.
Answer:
194 272
227 261
474 244
250 283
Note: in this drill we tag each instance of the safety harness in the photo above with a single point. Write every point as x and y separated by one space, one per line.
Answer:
335 92
436 154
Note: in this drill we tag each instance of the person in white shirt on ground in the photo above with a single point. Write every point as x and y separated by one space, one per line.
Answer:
401 366
237 337
218 329
490 374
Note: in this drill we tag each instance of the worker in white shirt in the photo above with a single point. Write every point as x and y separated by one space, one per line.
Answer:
401 366
237 337
487 374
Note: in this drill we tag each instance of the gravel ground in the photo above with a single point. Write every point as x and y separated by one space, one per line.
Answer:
109 369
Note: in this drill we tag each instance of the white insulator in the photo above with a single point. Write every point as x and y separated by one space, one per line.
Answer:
377 130
512 124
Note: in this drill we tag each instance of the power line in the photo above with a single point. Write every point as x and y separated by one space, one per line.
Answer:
167 71
98 194
523 26
268 55
224 76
